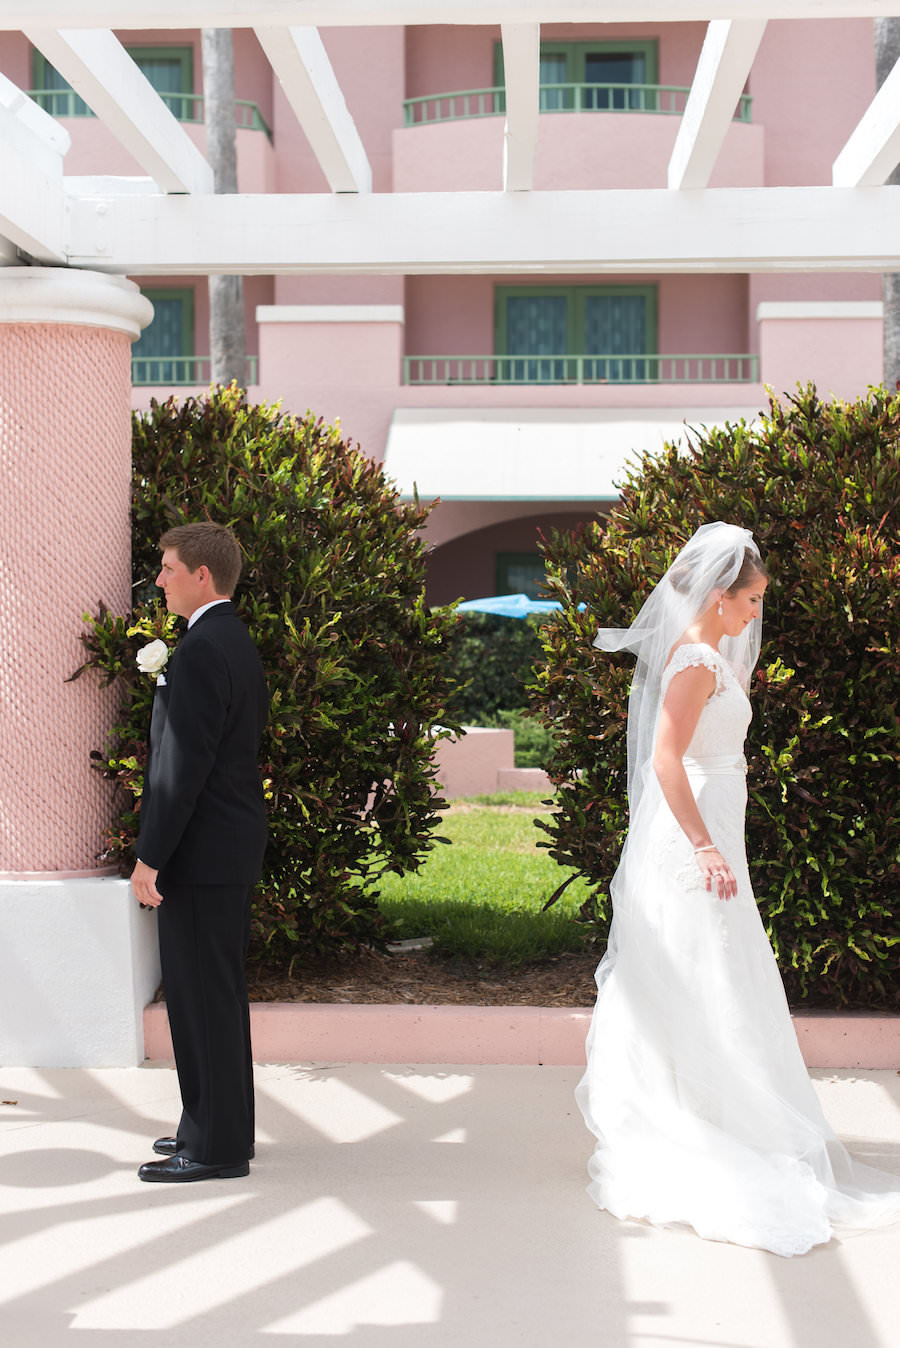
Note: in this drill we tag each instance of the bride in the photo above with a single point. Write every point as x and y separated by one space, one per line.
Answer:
695 1087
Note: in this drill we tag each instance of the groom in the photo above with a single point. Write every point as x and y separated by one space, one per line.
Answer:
200 849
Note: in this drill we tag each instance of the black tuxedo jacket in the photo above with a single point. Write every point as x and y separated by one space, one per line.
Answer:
202 817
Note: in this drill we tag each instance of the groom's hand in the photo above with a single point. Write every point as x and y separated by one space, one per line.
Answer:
143 882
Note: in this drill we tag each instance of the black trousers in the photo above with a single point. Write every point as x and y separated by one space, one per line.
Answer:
203 936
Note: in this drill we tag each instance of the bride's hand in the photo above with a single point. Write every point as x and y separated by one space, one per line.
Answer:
719 875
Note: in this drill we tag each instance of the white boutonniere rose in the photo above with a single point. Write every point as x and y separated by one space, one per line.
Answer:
151 659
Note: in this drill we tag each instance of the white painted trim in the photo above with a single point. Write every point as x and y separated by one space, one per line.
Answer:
725 60
638 231
158 14
100 70
89 299
329 313
301 64
769 310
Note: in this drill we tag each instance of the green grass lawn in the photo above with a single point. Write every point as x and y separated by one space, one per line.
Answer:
481 897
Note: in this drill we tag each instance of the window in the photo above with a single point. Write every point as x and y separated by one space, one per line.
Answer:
569 327
164 354
520 573
594 76
171 72
169 69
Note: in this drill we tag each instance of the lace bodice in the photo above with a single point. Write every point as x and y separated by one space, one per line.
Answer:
723 722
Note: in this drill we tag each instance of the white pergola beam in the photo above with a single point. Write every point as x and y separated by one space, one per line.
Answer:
299 59
32 115
641 231
100 70
158 14
32 201
107 185
873 150
521 65
725 60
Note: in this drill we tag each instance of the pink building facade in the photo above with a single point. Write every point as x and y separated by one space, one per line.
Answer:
516 398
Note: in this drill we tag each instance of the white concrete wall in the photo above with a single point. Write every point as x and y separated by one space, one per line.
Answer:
78 962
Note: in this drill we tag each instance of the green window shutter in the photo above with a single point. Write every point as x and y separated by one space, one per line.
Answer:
553 324
554 71
169 69
621 62
614 324
537 325
535 322
618 322
171 72
170 336
615 64
613 72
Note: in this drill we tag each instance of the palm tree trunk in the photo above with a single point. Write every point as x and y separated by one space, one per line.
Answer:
227 341
887 52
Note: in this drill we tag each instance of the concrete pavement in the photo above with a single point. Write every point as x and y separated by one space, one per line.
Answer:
395 1207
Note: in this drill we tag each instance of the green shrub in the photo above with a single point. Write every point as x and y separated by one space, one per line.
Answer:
819 485
491 659
533 740
333 593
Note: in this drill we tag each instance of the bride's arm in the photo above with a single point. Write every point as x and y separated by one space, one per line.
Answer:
685 699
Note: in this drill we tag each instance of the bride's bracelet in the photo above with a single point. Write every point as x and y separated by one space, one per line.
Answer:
710 847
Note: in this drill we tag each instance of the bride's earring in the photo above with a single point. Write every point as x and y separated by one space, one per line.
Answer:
720 610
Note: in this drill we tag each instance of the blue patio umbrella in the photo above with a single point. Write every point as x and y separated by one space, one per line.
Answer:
509 605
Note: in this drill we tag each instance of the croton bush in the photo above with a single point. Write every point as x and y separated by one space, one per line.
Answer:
332 591
491 661
818 483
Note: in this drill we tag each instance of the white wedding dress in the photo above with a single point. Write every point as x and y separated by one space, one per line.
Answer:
695 1087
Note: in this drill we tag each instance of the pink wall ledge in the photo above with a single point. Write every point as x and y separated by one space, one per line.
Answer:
513 1035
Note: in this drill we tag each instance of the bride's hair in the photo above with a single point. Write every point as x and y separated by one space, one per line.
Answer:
719 557
753 568
682 574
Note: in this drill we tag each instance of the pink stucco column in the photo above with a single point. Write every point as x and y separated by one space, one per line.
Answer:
65 466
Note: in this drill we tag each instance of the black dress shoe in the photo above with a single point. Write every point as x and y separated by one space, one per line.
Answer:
170 1146
180 1169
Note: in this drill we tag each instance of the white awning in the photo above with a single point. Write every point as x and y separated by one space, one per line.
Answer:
531 454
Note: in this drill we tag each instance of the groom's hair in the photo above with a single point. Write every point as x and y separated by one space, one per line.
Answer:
207 544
